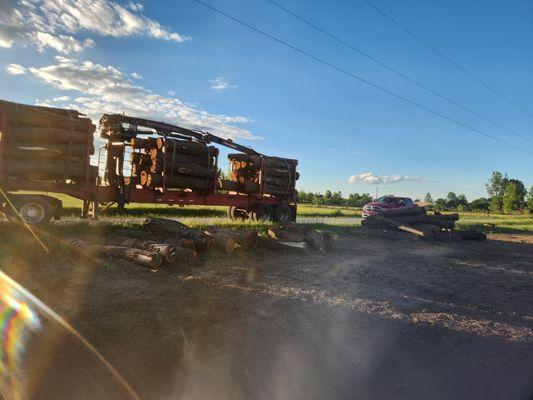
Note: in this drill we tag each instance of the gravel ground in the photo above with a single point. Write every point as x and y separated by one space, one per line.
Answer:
375 319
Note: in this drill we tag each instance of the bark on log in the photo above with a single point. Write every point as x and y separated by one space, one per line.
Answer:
52 149
180 182
185 147
186 255
379 221
193 170
177 230
446 217
404 211
18 114
223 242
276 245
36 134
49 169
254 162
144 143
247 239
148 259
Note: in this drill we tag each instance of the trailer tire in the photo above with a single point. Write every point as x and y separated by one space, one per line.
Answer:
35 210
283 214
262 213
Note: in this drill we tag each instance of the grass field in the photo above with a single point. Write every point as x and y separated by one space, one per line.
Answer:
212 215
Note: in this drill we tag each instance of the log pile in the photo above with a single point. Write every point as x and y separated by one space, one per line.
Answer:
45 143
174 163
416 221
278 175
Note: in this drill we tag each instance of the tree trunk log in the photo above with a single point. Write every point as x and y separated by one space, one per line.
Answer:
176 230
46 169
35 134
180 182
223 242
145 258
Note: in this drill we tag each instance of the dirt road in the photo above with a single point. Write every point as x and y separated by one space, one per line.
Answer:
376 319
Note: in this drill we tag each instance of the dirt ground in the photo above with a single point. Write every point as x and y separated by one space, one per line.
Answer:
375 319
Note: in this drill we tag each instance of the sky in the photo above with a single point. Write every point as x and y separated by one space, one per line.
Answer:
181 62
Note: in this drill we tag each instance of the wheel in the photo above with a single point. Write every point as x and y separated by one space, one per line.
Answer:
34 210
262 213
283 214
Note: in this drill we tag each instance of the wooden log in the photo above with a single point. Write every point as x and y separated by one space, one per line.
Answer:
247 239
319 240
281 234
186 255
148 259
446 217
52 149
185 147
179 182
471 234
425 219
36 134
49 169
381 222
193 170
147 143
254 161
396 212
276 245
177 230
21 114
223 242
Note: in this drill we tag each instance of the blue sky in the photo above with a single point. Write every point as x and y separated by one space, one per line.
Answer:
163 59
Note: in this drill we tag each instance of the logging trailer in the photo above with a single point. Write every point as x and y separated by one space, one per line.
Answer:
31 168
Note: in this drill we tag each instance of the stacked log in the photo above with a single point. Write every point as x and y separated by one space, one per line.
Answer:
248 172
416 221
46 143
173 163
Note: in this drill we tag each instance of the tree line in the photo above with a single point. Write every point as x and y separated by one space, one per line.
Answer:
329 198
504 195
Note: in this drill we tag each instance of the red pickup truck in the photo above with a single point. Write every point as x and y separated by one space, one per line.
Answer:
382 204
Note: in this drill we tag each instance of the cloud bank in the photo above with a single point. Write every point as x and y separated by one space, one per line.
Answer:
105 89
373 179
56 24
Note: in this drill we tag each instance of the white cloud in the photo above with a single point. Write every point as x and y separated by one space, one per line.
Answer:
171 93
55 24
105 89
61 43
220 83
137 76
135 6
15 69
373 179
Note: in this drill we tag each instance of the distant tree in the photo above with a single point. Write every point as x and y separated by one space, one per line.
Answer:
416 200
495 189
452 201
428 198
529 200
441 205
336 199
514 195
481 204
221 174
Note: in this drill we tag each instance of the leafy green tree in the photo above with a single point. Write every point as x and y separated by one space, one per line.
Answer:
441 205
481 204
428 198
513 197
529 200
495 189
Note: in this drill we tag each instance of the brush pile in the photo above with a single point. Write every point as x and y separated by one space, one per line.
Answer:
178 164
47 144
416 221
277 175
